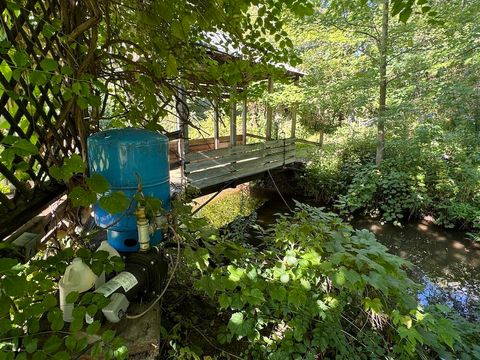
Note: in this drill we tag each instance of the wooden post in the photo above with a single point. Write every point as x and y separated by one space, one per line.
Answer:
293 115
233 120
216 130
268 130
182 125
244 121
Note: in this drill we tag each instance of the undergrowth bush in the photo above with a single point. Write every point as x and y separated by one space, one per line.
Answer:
319 289
31 322
427 171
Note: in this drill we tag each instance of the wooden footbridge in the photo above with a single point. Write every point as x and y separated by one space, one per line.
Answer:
218 162
207 169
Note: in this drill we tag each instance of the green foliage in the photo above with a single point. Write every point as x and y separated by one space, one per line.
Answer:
96 187
32 323
431 171
322 289
14 146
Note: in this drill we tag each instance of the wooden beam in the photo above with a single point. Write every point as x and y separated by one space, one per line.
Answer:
244 122
268 130
216 129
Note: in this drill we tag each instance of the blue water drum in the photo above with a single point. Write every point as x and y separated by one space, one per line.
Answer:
123 156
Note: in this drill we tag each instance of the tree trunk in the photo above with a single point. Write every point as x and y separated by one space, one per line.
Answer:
320 139
382 103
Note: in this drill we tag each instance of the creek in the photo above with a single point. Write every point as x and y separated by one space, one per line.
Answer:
445 261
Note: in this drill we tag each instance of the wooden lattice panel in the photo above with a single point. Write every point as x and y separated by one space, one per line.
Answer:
34 131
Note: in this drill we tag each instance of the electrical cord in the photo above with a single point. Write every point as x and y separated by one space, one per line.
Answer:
278 190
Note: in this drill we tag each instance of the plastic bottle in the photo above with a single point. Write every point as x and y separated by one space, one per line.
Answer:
78 277
105 246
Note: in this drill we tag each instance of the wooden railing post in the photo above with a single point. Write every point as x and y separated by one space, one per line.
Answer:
244 121
216 130
293 115
233 119
268 130
182 125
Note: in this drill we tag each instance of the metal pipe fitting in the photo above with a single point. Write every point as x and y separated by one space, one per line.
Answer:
143 227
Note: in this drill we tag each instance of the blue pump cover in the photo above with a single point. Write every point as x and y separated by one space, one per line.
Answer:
119 155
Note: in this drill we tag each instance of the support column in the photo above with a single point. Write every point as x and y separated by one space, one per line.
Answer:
293 115
182 126
233 120
268 130
244 121
216 129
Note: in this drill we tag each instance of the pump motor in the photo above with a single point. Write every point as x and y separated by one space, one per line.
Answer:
143 278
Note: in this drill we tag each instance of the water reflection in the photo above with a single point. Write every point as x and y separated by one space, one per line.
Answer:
442 254
446 262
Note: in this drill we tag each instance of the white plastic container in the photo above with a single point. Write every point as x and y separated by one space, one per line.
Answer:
78 277
105 246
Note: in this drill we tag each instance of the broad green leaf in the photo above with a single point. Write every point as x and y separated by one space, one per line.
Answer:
49 64
67 70
30 344
38 78
15 286
5 70
278 293
76 325
70 342
81 197
21 58
171 69
49 301
93 328
82 102
48 30
61 355
108 335
24 147
4 305
114 202
55 316
82 343
97 183
7 264
75 164
52 344
224 301
405 14
77 88
39 356
72 297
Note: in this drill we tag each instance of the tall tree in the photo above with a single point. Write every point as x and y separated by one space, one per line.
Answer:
382 101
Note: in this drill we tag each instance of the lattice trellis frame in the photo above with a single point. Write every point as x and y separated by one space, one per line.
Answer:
31 111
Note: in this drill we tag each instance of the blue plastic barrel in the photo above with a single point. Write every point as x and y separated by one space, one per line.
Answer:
120 155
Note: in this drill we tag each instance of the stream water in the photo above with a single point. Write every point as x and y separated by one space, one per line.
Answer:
445 261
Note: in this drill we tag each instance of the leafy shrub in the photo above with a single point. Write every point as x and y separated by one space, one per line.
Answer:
32 324
426 171
322 289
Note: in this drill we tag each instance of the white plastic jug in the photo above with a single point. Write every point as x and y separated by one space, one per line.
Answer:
105 246
78 277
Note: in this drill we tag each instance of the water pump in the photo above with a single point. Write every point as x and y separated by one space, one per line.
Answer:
144 277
